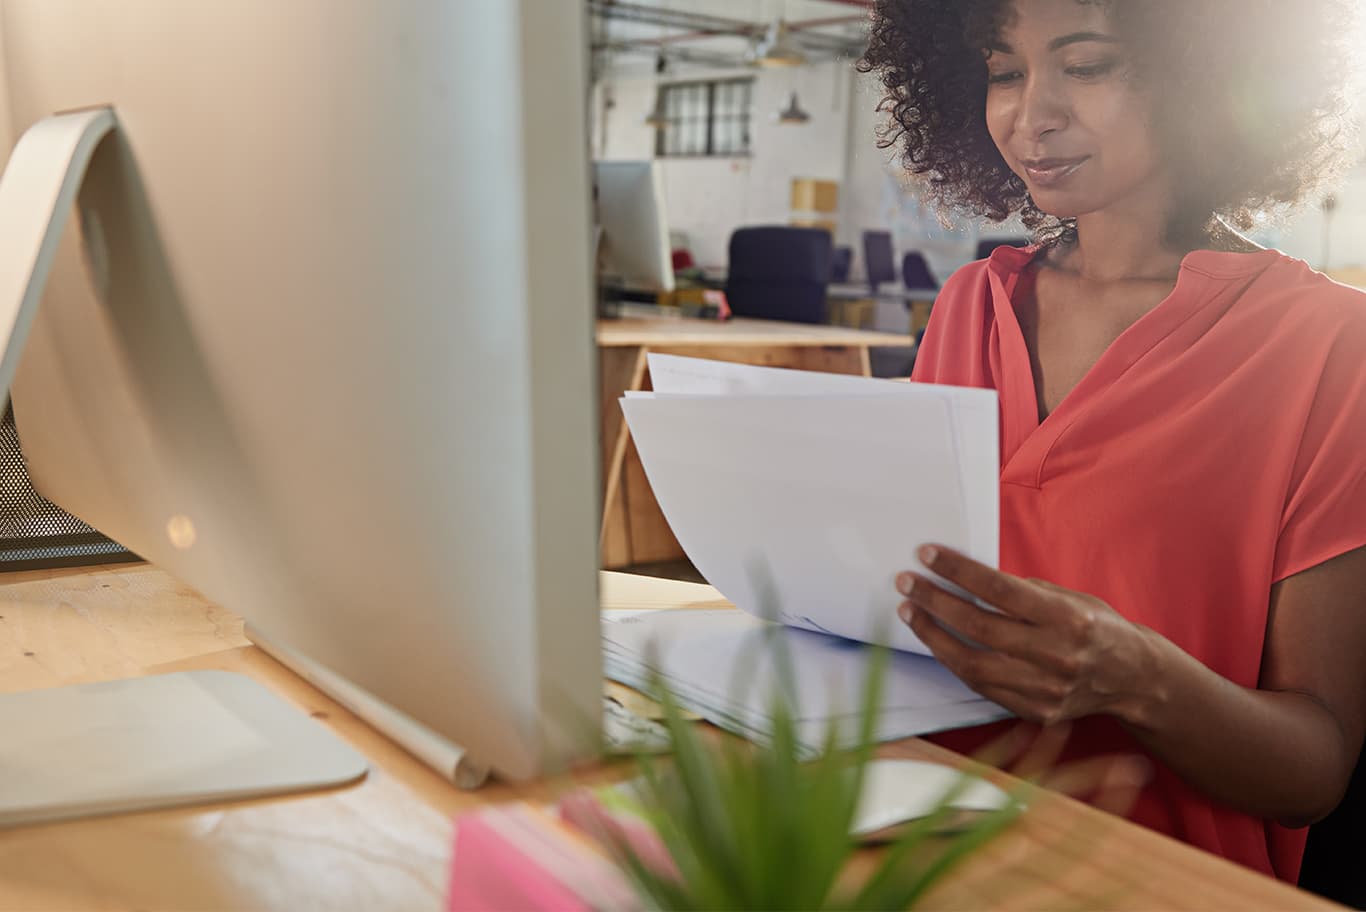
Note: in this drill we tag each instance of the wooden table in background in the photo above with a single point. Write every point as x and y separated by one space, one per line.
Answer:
385 843
633 528
852 304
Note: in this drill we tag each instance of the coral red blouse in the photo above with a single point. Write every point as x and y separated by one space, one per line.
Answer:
1217 446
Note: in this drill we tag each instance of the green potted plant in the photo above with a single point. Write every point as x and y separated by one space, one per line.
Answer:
730 825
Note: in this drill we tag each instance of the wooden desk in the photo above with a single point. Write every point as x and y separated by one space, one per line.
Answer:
633 529
384 844
1349 275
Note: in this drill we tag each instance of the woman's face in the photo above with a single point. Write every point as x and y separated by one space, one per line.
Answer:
1064 112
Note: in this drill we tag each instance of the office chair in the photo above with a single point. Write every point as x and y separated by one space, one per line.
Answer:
915 273
1334 863
842 260
878 259
779 272
986 245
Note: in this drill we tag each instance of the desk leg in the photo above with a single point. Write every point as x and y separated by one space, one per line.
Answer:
634 528
920 315
619 369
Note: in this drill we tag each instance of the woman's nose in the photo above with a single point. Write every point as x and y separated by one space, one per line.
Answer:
1043 109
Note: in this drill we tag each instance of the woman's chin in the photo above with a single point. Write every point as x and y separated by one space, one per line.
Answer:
1059 205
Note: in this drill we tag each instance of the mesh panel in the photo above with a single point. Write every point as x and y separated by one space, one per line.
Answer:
35 532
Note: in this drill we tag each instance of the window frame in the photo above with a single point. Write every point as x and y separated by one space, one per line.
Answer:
740 116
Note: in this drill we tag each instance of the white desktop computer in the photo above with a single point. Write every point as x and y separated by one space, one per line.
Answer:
317 338
633 226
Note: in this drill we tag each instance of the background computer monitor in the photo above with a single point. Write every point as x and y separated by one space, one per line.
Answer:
634 243
319 340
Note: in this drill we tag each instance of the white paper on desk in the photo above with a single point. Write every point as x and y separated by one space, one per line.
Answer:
973 416
816 502
720 664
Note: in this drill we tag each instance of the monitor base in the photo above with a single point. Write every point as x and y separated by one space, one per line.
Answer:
156 742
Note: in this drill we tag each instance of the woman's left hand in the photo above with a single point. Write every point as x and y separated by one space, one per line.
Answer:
1050 656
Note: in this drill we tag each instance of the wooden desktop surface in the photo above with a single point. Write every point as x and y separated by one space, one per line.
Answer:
638 328
634 530
385 843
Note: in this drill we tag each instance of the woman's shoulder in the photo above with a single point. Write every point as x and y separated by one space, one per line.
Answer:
1280 284
1308 294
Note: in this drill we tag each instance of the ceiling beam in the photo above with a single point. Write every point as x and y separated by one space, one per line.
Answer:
802 25
684 55
699 27
655 15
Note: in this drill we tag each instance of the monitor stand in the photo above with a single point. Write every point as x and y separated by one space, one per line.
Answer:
450 761
190 737
141 743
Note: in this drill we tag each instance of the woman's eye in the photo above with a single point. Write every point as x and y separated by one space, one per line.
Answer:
1002 78
1091 70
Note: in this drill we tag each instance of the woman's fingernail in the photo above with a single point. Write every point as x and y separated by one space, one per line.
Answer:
903 611
928 555
904 583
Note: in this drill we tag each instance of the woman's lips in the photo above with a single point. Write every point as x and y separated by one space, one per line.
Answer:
1049 172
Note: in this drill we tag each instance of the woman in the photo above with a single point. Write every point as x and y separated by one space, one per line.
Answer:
1183 482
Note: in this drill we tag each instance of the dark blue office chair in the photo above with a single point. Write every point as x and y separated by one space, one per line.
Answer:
841 262
878 259
779 272
1334 863
915 273
986 245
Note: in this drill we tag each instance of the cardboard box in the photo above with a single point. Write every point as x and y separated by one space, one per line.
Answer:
812 195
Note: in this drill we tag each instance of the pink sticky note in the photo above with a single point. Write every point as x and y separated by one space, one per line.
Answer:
516 857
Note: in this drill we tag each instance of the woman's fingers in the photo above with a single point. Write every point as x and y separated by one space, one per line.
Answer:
999 632
1000 590
983 668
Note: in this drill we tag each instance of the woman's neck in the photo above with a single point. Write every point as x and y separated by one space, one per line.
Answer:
1113 247
1109 249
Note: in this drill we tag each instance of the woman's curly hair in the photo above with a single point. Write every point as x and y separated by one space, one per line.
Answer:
1250 102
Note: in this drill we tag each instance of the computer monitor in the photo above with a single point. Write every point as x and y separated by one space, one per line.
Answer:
634 225
319 338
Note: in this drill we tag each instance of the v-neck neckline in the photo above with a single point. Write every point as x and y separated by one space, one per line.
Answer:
1026 440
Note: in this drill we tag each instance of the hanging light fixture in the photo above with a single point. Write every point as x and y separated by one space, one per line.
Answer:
777 49
657 118
793 113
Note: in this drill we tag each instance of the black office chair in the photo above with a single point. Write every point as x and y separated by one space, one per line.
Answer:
842 260
986 245
915 273
1334 863
779 272
878 260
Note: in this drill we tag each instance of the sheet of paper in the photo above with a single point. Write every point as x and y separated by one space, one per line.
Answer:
973 416
722 665
803 510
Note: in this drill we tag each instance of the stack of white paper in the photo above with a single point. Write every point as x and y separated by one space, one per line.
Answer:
722 665
800 496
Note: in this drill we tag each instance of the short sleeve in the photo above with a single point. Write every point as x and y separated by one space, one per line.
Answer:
1325 507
